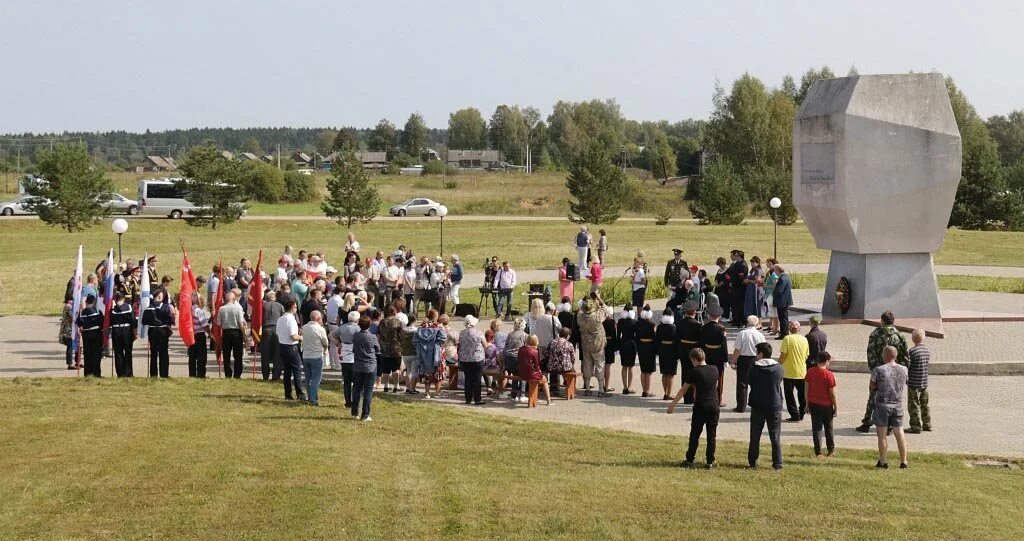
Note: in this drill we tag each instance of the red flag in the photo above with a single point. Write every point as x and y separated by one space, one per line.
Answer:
188 287
218 301
256 300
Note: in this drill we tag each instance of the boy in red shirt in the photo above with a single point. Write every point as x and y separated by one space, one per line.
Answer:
821 399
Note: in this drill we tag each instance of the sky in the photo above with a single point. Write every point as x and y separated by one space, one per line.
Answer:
119 65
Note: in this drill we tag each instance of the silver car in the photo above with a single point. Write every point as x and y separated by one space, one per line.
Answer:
419 206
16 206
119 204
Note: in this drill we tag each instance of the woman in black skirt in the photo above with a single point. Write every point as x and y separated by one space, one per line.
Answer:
665 338
625 338
646 349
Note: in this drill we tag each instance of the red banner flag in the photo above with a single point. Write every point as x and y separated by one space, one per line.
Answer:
188 287
218 301
256 300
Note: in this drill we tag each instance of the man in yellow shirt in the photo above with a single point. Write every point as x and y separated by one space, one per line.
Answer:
793 358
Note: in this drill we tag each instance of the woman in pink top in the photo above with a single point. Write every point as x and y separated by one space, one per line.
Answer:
564 280
596 276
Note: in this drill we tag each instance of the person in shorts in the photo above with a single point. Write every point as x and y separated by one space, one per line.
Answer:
888 383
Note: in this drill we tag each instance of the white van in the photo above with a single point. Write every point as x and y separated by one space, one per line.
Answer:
163 198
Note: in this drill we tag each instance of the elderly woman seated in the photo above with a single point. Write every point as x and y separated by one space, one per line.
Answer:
528 363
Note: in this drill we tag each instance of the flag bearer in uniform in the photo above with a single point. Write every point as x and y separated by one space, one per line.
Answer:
123 326
90 321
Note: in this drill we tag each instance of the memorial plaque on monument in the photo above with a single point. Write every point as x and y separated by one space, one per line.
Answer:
876 163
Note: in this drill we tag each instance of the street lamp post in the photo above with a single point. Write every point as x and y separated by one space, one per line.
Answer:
119 226
775 203
442 211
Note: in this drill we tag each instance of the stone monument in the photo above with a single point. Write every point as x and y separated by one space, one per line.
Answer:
876 163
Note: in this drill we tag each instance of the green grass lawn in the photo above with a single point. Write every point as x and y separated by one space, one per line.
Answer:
180 459
36 260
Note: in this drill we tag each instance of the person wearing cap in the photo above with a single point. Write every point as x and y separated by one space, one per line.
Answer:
154 278
90 321
687 338
160 320
592 342
130 284
714 343
743 355
674 278
625 337
123 329
646 349
736 274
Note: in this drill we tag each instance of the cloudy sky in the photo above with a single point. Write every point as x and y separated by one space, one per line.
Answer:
105 64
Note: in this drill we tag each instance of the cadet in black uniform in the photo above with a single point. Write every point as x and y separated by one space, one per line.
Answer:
159 318
738 288
625 337
687 338
123 326
715 345
674 279
154 280
665 336
610 347
90 321
646 349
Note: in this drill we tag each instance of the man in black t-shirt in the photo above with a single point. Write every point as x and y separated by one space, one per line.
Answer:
704 380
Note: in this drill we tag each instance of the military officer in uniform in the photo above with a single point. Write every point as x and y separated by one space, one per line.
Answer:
687 338
130 285
674 279
159 318
737 273
154 279
123 328
715 345
90 321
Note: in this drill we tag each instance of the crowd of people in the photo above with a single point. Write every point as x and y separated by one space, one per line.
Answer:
364 321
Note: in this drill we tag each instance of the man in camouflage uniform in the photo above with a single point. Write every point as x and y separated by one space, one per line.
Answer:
886 335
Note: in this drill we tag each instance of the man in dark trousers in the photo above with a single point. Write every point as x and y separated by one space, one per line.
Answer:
674 279
704 380
782 299
765 380
737 274
687 339
270 354
123 328
90 321
715 345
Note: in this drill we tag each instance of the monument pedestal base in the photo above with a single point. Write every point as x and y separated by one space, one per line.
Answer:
903 283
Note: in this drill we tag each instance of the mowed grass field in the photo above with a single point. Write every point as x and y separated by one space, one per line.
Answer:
36 260
203 459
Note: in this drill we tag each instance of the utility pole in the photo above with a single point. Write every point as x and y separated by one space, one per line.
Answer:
279 156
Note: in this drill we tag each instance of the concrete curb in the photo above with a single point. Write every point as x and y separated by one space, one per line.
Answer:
943 369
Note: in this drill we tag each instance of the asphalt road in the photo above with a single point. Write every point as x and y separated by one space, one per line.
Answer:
466 218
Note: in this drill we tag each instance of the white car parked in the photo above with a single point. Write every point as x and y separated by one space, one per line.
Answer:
15 206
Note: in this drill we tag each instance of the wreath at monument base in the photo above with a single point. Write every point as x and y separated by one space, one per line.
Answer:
843 295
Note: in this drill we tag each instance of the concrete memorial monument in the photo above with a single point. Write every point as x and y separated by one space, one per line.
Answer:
876 163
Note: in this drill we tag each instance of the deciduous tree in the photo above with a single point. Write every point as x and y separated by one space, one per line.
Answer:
414 136
467 129
508 132
215 185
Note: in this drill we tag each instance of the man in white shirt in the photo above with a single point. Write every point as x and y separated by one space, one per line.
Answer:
392 278
504 284
341 341
283 264
333 315
743 355
288 338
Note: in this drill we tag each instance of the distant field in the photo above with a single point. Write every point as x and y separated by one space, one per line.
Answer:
36 260
474 193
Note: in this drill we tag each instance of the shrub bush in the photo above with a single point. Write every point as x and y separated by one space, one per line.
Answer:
299 188
263 182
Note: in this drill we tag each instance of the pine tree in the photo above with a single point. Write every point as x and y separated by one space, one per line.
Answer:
598 186
72 194
351 198
720 198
